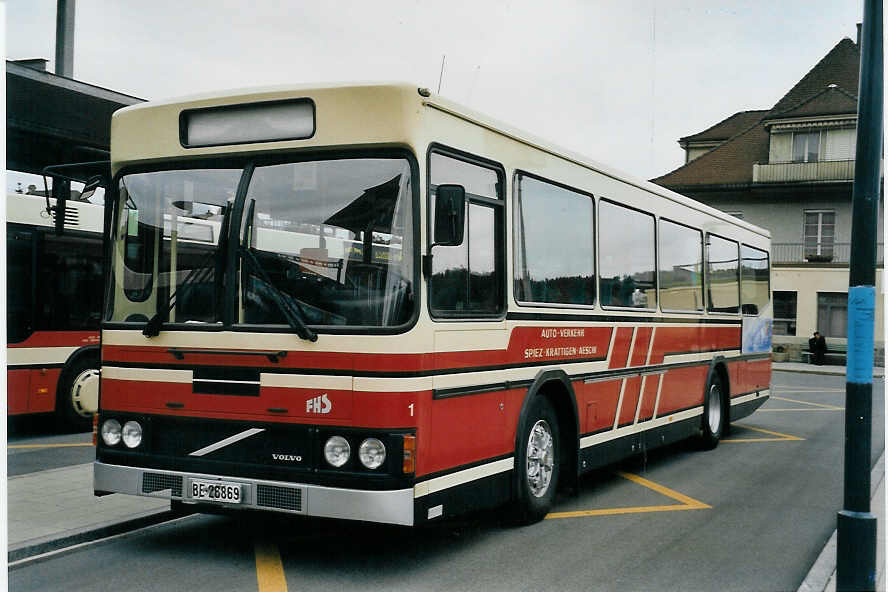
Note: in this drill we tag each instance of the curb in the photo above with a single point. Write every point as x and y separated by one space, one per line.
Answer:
799 371
31 549
775 368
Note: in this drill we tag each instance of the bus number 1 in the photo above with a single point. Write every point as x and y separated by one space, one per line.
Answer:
410 406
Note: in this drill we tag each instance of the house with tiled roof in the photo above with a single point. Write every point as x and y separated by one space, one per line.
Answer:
790 169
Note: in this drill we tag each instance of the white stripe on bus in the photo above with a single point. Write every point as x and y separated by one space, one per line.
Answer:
750 397
609 435
30 356
464 476
227 441
308 381
147 374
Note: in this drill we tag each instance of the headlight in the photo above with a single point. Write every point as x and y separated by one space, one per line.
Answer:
372 453
337 451
111 432
132 434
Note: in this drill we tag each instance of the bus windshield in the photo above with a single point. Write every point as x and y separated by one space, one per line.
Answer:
327 241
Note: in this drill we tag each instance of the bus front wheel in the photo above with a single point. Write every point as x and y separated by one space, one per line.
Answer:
537 462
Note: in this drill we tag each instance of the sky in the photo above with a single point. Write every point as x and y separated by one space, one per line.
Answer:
618 81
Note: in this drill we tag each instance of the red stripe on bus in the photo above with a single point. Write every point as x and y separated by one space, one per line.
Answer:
620 350
640 349
649 397
58 339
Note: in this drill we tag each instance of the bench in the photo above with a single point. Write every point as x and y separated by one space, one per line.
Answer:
839 350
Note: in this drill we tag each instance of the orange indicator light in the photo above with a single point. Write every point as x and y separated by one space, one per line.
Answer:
409 465
42 390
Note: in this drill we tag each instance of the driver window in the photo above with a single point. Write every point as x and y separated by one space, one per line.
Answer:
467 279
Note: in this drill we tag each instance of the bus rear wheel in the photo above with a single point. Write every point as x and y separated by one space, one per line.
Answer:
714 412
74 405
537 463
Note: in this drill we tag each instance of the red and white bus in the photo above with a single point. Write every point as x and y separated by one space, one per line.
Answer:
53 309
403 310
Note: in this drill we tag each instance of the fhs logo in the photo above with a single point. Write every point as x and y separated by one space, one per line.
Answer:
319 405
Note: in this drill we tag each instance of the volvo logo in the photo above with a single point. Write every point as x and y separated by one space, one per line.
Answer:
319 405
286 457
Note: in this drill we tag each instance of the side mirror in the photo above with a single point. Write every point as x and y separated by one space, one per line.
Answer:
61 188
450 215
90 187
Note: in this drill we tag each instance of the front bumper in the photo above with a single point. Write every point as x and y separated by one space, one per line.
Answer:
390 507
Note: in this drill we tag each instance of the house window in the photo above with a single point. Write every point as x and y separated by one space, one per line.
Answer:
785 312
836 143
832 314
806 147
819 233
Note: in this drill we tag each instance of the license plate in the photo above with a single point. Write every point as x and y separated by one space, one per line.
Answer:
216 491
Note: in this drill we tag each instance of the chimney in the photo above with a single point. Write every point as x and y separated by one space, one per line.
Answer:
64 57
859 27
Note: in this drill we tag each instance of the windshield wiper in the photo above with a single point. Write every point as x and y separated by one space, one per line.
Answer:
292 312
199 273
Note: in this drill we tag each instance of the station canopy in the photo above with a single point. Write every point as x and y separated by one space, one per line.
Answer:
52 120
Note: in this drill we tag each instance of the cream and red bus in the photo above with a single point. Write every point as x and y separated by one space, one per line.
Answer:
53 309
405 310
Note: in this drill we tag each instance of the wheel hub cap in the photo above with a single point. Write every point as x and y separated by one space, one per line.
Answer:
715 409
540 458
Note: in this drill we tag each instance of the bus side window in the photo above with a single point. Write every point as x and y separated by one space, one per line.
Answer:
69 283
20 287
755 276
467 279
723 275
626 257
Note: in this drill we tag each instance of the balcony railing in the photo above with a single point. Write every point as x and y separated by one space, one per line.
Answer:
822 253
786 172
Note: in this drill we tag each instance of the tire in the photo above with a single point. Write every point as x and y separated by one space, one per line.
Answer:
70 411
715 412
537 462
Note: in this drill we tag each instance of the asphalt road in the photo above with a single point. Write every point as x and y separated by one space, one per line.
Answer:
753 514
34 443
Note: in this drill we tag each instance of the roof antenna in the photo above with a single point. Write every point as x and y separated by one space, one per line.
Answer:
441 75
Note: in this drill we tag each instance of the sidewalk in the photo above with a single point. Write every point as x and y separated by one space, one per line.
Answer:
56 508
812 369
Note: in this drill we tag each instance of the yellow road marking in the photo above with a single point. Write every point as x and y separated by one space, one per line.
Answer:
687 503
71 445
269 571
779 437
830 407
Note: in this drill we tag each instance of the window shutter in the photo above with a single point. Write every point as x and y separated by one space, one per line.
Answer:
840 144
781 148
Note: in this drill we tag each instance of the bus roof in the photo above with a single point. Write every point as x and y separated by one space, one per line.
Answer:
395 94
